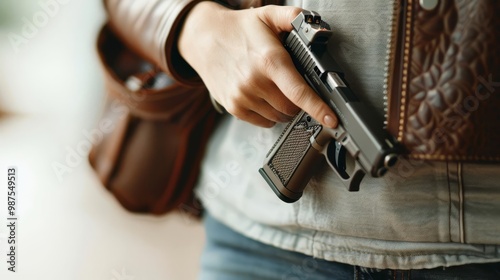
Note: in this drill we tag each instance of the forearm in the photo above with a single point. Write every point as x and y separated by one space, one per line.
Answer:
150 28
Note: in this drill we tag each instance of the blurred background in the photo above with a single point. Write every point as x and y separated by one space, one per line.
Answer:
51 93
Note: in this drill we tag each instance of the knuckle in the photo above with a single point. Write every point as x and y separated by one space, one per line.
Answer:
285 106
280 13
292 12
270 59
239 99
290 110
298 93
238 111
233 110
250 82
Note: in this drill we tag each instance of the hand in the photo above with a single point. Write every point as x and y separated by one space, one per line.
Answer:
241 60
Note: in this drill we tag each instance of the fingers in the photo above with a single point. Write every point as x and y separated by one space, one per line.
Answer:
255 110
278 65
251 117
258 120
298 91
266 110
273 95
247 69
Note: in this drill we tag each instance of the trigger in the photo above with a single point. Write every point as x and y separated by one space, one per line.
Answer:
337 157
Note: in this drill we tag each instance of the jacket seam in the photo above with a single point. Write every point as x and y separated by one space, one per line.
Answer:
449 199
461 200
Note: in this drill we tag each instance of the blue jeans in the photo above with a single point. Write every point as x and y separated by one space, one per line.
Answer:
229 255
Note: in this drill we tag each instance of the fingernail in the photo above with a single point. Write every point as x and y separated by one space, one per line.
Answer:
330 121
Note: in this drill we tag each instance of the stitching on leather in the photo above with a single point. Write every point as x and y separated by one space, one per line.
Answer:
405 72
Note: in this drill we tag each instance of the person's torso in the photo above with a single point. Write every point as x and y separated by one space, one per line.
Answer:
392 221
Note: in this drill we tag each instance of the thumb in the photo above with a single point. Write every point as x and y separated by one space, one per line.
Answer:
278 18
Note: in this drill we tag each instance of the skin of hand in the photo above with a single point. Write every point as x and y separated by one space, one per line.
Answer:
241 59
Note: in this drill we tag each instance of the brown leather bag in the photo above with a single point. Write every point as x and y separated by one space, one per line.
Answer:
444 77
151 160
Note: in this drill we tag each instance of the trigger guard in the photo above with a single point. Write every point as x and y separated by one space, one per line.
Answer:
337 152
355 180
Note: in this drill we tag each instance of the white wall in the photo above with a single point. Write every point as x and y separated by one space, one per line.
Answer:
47 60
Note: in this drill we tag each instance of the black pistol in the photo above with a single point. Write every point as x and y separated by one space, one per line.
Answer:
358 145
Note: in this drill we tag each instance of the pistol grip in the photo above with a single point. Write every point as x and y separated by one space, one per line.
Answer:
292 160
282 192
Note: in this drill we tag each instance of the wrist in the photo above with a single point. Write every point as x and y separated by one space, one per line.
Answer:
195 26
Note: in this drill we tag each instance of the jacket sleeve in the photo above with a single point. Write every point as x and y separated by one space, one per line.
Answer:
150 28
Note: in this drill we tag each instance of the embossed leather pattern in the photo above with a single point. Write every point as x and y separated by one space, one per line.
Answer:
444 80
